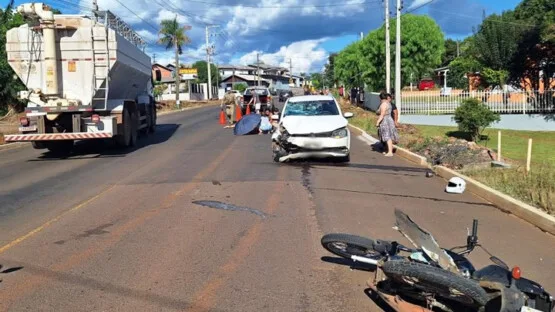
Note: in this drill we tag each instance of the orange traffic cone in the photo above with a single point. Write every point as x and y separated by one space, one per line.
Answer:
238 114
222 117
248 110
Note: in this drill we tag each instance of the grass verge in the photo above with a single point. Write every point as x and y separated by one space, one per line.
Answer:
514 144
536 188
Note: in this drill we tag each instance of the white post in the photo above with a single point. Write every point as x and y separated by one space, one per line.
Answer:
529 156
398 60
387 50
498 145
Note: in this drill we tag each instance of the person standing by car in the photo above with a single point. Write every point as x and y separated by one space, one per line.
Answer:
394 111
354 92
255 101
386 125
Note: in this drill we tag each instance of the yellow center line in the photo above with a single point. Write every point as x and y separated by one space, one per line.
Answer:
20 239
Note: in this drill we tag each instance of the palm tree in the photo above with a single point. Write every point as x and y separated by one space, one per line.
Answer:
173 36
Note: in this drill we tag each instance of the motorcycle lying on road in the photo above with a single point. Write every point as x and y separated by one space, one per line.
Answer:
438 278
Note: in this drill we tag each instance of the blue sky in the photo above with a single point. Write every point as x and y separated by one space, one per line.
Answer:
300 32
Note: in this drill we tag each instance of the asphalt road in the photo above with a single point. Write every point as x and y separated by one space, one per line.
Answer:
109 230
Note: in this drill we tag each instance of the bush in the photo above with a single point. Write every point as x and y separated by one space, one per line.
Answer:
241 87
473 117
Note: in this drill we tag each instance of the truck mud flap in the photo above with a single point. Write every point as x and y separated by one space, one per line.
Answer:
57 136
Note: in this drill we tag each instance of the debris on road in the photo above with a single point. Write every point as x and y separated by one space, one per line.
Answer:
223 206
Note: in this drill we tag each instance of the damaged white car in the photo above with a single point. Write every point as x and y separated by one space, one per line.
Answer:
312 126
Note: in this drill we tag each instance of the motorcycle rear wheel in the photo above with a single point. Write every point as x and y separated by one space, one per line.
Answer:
347 245
435 280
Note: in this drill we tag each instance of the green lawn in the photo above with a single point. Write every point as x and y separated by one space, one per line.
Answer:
514 144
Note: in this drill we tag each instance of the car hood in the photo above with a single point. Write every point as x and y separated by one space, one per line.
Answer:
313 124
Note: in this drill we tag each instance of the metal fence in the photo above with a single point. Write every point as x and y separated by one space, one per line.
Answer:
514 102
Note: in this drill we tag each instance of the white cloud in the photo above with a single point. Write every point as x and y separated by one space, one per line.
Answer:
148 36
165 15
306 56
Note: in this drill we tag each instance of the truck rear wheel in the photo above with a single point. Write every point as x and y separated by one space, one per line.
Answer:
124 139
152 116
134 127
38 145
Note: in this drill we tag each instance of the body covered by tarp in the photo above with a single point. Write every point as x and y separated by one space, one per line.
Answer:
247 125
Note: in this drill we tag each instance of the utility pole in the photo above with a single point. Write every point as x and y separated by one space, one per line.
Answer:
398 59
458 50
387 50
209 50
257 69
361 36
290 71
154 58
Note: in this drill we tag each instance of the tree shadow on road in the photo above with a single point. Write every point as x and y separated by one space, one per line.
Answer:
90 149
164 302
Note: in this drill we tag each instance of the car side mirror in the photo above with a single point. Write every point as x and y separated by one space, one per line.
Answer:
348 115
275 117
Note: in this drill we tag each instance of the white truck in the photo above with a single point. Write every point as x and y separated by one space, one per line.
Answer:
86 77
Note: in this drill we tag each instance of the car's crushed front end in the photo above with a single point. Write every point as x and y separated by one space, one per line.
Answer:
329 144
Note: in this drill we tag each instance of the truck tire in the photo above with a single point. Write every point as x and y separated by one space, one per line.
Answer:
152 127
59 147
38 145
124 139
134 128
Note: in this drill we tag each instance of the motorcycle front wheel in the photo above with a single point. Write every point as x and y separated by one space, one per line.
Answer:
347 245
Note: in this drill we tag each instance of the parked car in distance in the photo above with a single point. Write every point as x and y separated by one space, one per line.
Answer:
312 126
264 96
426 84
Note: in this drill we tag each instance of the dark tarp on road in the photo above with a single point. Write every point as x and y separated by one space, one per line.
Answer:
247 125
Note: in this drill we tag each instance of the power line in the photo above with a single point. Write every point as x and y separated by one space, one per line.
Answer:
417 7
285 6
480 18
137 15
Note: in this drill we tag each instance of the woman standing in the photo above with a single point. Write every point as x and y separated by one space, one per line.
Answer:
386 124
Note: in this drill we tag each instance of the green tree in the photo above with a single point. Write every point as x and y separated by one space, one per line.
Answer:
317 80
203 72
458 70
241 87
450 52
329 70
423 45
173 36
536 49
348 65
497 41
473 117
9 86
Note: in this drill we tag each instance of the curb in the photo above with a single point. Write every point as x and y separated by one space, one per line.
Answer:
402 152
504 202
501 201
10 146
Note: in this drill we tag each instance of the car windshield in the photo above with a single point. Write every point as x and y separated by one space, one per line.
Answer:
259 91
311 108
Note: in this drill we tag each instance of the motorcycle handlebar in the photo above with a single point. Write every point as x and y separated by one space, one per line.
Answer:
475 228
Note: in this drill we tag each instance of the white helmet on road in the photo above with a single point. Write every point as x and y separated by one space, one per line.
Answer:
455 185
